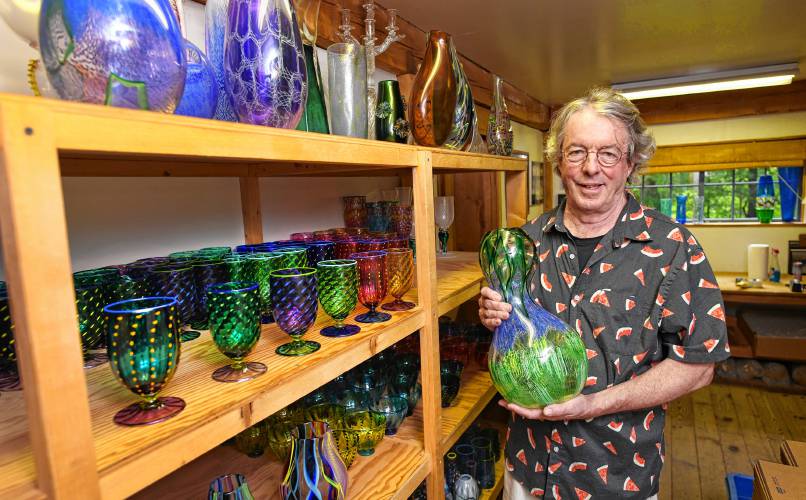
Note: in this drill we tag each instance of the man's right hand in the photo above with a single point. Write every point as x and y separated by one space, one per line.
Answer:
492 308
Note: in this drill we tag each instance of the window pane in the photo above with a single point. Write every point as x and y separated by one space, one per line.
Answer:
655 179
717 202
685 178
719 176
745 201
746 174
652 197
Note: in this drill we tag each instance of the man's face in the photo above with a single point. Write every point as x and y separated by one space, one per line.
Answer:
590 186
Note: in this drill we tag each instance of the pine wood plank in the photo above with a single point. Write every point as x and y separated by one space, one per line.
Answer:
790 409
753 428
685 469
459 279
709 452
428 298
37 264
475 392
734 449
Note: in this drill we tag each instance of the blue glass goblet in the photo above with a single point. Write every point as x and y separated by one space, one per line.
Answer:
294 297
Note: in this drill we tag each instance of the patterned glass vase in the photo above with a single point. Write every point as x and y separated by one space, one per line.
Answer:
499 125
264 63
535 359
441 111
315 468
215 27
126 53
314 118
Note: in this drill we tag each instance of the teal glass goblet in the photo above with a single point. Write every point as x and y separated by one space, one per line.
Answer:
294 297
91 295
143 349
338 294
235 327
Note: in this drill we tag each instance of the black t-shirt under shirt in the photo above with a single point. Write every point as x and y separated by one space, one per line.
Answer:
585 247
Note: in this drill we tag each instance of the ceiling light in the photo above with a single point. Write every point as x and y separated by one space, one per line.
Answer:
765 76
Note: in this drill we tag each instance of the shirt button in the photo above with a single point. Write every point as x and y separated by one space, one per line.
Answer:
556 449
571 256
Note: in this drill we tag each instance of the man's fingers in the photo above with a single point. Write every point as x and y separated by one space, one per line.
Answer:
498 306
489 293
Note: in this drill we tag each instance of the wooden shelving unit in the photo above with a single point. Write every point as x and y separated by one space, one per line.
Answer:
46 430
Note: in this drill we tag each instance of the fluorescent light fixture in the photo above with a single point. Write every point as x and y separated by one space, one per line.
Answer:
746 78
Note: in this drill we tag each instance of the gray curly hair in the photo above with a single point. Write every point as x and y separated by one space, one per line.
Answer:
610 104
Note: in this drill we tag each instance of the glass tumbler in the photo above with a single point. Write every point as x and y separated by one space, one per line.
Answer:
347 84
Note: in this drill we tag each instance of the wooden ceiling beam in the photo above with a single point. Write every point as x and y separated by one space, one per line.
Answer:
727 104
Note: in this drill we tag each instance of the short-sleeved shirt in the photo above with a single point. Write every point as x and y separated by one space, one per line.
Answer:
646 294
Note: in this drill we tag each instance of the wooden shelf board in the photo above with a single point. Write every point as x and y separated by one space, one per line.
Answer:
132 458
459 279
475 392
395 470
104 141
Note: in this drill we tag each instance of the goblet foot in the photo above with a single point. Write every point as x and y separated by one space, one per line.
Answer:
9 381
188 335
139 414
366 453
298 348
231 373
340 331
398 305
93 359
373 317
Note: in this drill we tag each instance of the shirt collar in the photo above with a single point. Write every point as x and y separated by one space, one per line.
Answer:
633 223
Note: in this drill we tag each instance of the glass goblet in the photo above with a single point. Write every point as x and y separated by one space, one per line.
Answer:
355 211
9 376
345 248
294 297
338 294
443 216
177 280
253 441
293 256
400 276
143 349
319 251
370 426
371 285
261 265
229 487
235 327
91 297
205 274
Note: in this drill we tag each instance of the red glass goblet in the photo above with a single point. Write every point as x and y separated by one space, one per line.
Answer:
371 285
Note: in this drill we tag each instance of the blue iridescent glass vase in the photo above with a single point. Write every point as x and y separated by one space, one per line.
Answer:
201 89
315 469
215 29
264 63
535 359
125 53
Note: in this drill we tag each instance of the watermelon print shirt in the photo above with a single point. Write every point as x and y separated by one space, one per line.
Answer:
647 293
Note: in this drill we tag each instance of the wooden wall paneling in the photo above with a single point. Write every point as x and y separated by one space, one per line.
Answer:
548 185
728 104
475 207
40 286
517 203
251 210
423 191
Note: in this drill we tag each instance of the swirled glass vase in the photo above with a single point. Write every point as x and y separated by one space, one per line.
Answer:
264 63
535 359
315 468
126 53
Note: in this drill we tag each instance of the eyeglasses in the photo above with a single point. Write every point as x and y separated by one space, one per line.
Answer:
608 156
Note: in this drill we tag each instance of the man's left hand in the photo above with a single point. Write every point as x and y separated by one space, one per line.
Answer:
578 408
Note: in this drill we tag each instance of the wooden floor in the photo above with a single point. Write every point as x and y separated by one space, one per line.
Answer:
722 429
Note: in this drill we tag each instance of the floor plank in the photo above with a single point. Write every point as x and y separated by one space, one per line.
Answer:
752 426
685 470
734 448
710 459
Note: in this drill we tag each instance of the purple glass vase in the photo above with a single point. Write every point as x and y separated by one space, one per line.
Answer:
264 63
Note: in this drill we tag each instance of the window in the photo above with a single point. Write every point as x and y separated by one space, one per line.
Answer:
728 195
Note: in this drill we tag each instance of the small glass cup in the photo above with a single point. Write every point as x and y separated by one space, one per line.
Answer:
235 327
400 276
338 294
666 207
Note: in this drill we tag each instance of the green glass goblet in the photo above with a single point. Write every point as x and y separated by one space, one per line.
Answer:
294 297
370 426
338 294
279 438
235 326
252 442
262 264
143 349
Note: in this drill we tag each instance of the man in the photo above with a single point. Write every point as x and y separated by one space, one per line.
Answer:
638 289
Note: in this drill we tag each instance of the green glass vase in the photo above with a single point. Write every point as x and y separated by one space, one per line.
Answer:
314 117
390 114
535 359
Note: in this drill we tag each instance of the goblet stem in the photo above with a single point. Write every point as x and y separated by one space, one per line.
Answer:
443 240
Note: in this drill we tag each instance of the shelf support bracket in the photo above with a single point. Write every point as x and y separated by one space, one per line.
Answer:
250 207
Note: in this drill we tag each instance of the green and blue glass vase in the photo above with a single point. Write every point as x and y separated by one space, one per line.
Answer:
235 327
338 294
143 350
535 358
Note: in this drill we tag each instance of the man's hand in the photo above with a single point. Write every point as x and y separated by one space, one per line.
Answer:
578 408
492 308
